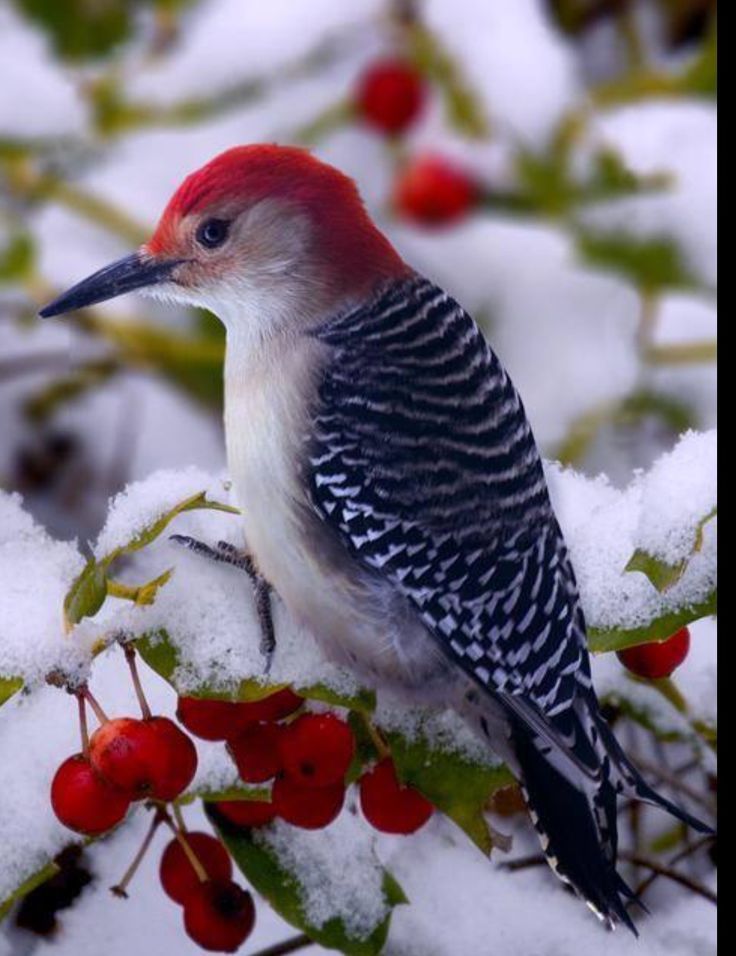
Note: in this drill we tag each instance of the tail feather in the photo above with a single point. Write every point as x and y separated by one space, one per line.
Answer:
577 830
631 782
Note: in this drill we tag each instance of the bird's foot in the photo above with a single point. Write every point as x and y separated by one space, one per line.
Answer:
226 553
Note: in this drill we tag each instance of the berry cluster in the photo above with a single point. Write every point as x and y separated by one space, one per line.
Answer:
307 757
309 760
430 190
125 759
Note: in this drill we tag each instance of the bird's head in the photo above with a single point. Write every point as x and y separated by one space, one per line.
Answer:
261 235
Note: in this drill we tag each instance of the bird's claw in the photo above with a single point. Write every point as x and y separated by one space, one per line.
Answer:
226 553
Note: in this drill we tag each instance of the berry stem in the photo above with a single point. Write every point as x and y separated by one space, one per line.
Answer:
286 946
376 739
120 889
83 728
186 847
179 817
93 703
130 658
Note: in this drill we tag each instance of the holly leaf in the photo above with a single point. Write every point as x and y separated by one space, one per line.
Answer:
8 687
663 575
658 629
457 785
160 653
282 890
89 590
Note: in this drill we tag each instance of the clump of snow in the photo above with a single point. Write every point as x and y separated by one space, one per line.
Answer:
604 526
336 870
35 572
143 502
444 730
677 493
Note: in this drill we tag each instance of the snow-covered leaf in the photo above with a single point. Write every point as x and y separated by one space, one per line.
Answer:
454 783
661 573
300 905
658 629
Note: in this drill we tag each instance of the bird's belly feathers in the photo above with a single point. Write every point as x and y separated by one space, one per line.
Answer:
359 621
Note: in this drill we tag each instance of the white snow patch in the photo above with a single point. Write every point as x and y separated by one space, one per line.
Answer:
336 869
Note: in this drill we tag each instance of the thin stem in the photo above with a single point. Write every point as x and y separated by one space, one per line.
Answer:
376 739
187 848
120 889
659 869
130 658
179 817
287 946
83 728
91 700
689 851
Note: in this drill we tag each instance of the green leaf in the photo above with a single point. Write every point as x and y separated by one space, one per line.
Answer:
663 575
452 781
264 872
652 264
8 687
161 654
87 593
17 257
658 629
79 29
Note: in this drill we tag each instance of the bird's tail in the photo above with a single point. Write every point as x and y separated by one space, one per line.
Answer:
631 783
576 824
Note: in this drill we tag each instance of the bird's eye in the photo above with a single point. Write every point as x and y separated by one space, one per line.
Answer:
212 233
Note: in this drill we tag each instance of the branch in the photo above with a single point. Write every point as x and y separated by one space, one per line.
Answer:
287 946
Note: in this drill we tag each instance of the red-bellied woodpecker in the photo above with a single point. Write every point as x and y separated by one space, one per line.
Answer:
391 488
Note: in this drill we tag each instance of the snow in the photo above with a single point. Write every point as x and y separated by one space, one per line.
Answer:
604 526
568 337
336 869
679 492
36 572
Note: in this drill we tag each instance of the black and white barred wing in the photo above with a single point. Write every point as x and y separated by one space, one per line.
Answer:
424 463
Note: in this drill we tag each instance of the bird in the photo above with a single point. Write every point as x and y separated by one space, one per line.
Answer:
391 487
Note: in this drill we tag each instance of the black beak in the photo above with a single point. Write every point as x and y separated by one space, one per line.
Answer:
125 275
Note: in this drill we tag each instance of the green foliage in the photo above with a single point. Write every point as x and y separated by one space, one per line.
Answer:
266 875
162 655
89 590
8 687
663 575
658 629
17 257
78 29
457 785
652 265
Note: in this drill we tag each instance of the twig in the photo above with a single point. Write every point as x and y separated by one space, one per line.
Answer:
130 659
659 869
689 851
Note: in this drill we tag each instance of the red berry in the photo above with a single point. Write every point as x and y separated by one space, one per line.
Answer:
389 806
177 874
657 659
209 719
433 191
390 95
124 751
256 752
83 801
246 813
177 759
308 807
219 915
316 749
274 707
